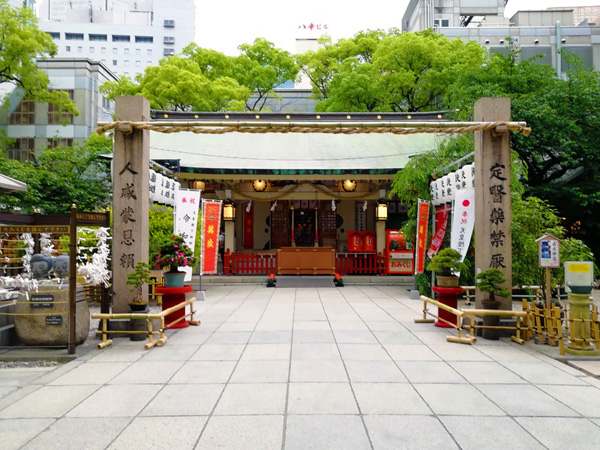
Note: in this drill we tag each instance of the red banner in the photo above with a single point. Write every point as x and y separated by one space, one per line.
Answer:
211 224
441 221
422 221
248 227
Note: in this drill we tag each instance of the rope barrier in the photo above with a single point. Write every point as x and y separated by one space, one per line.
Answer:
315 127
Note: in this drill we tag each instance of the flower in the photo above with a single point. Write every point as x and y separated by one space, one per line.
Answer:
174 253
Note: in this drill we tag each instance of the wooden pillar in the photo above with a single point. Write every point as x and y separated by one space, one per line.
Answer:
380 235
492 193
130 197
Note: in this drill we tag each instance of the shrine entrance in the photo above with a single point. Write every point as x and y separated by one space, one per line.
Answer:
303 223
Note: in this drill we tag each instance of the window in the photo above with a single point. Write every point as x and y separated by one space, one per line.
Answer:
114 62
126 51
74 36
121 38
169 23
62 142
24 114
22 149
98 37
138 51
149 52
115 51
55 117
144 39
126 62
444 23
68 48
148 63
169 40
53 35
92 50
169 51
80 49
137 64
102 49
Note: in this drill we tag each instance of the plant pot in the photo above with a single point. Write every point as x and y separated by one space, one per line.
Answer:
491 321
138 307
174 279
447 281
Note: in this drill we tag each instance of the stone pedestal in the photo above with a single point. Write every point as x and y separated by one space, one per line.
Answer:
46 319
579 306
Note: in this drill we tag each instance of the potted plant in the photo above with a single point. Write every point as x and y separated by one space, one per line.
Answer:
445 264
489 281
137 279
172 254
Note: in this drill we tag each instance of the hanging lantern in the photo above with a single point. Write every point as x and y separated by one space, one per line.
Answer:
229 211
349 185
259 185
382 210
198 185
152 186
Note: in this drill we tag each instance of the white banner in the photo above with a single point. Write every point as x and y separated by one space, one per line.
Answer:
187 204
463 220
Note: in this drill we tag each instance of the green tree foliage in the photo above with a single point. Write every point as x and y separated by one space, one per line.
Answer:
205 80
61 177
261 67
562 153
21 42
178 84
379 71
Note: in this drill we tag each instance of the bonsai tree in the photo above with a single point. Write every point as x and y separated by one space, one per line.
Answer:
446 262
136 279
489 281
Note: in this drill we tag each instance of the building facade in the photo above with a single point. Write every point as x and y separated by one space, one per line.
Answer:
125 35
549 33
35 126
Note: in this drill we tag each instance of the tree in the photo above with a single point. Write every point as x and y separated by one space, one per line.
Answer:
61 177
178 84
201 79
21 42
379 71
562 152
261 67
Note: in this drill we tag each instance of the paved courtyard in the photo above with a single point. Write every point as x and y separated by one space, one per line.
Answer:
304 368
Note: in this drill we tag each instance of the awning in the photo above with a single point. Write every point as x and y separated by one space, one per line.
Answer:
289 151
8 184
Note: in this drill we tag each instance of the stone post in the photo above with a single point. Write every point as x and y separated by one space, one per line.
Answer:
130 197
492 194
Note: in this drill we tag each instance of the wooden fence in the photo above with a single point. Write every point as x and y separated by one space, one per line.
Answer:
264 263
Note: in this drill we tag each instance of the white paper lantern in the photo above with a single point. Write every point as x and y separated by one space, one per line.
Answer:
446 189
432 192
468 175
458 185
152 185
158 195
438 192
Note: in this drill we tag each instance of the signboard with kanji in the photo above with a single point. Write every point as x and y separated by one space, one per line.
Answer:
549 251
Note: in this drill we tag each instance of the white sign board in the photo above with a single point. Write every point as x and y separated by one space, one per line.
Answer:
579 273
549 251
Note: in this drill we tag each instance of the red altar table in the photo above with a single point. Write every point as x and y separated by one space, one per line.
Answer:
172 296
449 297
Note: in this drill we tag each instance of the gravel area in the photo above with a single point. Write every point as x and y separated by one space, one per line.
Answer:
27 364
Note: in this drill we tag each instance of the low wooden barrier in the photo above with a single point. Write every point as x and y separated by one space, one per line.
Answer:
249 263
359 263
462 313
105 317
458 313
470 293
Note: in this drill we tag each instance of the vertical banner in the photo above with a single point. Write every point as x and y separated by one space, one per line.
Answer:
187 204
422 221
441 221
248 227
211 224
463 221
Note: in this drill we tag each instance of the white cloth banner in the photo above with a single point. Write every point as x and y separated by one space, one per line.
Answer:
463 220
187 204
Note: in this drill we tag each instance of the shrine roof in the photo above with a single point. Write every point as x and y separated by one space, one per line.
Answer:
237 152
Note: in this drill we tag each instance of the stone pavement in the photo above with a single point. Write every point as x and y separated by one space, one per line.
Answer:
306 368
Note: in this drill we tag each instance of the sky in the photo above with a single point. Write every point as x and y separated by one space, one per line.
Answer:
223 25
